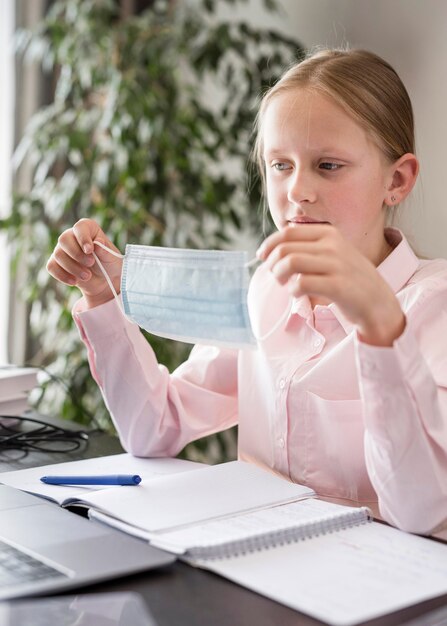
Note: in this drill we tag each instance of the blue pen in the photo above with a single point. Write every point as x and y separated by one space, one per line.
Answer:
113 479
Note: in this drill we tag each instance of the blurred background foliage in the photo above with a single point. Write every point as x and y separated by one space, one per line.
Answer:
149 132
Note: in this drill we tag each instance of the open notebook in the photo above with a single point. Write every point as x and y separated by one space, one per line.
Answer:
198 511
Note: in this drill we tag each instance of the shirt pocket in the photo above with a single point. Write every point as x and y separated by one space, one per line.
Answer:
335 449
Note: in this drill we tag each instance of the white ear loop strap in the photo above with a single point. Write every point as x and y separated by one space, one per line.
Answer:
252 262
101 267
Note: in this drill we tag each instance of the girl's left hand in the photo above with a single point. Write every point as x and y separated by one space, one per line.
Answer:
316 260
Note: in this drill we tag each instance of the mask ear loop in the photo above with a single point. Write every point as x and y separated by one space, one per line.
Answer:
283 317
106 276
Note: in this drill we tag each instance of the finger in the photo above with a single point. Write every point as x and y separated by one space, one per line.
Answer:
294 264
70 266
56 271
70 245
312 285
85 231
283 250
303 232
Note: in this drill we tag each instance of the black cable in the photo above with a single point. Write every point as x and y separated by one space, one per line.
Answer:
37 439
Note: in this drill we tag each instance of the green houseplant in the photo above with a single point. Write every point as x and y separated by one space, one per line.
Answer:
149 133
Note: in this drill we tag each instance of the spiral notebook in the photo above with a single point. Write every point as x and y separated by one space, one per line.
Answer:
222 510
195 511
260 530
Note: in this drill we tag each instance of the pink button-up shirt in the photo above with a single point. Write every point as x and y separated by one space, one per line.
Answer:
359 424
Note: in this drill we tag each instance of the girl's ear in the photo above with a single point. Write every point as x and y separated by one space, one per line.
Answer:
403 177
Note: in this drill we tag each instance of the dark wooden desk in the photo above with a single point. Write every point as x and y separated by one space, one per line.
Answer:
180 595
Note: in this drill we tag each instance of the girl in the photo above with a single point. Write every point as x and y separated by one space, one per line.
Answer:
348 394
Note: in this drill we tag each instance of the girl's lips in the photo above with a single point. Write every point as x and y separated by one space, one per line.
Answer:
305 220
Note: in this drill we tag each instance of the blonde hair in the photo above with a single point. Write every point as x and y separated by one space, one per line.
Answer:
365 85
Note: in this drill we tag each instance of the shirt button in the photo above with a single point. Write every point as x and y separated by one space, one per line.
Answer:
317 343
282 383
281 442
369 368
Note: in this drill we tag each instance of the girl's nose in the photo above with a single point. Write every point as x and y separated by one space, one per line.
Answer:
301 188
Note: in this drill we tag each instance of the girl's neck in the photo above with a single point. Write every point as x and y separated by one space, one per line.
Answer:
384 251
314 300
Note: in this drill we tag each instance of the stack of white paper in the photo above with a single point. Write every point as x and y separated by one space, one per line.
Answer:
15 386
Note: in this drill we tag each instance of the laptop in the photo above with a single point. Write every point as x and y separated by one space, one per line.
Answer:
46 549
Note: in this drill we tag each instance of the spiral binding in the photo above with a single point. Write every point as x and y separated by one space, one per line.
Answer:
284 536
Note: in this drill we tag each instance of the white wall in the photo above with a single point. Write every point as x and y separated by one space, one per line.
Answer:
6 134
412 36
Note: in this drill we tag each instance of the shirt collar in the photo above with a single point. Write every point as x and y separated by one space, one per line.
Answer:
396 270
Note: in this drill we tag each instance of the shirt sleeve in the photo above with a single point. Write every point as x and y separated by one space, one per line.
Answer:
404 392
156 413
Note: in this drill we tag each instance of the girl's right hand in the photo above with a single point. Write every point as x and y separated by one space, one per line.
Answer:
72 262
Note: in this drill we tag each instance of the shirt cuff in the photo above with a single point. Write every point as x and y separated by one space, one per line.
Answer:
103 321
388 365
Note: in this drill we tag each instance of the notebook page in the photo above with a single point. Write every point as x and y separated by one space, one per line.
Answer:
148 469
347 577
192 497
302 514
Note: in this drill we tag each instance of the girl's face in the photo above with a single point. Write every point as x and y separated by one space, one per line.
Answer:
321 166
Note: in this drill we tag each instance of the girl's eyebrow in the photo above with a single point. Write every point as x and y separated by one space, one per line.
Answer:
274 152
325 150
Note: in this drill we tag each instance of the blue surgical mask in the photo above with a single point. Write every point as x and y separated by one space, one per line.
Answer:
195 296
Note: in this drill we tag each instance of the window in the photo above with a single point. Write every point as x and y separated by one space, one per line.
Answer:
6 145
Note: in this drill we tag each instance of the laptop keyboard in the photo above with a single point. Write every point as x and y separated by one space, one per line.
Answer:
18 567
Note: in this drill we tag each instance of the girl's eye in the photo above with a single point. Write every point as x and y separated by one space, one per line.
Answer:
328 165
280 167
